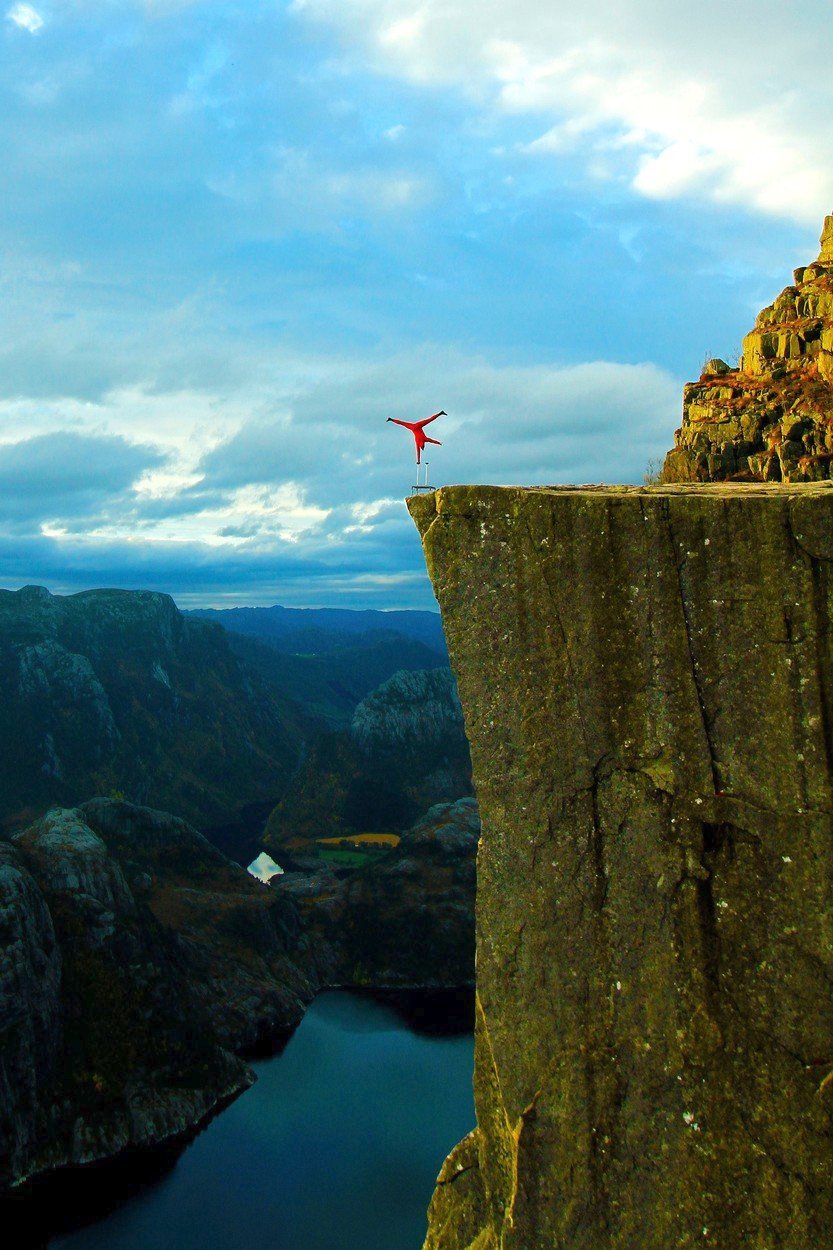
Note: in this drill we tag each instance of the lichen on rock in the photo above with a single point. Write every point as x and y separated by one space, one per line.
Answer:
647 682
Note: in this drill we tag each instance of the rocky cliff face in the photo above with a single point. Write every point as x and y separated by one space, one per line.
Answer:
30 977
770 419
647 680
116 691
134 960
416 712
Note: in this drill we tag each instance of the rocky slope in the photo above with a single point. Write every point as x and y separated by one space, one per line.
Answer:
134 961
770 419
328 686
404 751
116 691
404 921
647 680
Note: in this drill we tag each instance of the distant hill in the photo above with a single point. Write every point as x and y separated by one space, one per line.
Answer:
113 692
329 659
328 685
313 631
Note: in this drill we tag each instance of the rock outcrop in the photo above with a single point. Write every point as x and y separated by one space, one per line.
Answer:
770 419
134 961
416 712
647 680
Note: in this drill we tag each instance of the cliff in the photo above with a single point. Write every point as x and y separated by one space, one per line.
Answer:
116 692
119 693
403 920
137 963
647 682
771 418
134 961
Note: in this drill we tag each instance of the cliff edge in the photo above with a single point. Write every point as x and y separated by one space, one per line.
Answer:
647 681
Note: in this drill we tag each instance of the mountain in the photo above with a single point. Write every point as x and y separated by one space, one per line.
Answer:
327 686
117 692
137 964
404 750
328 659
409 918
136 960
317 630
771 418
405 919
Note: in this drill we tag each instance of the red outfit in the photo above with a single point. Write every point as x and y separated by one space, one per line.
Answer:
417 429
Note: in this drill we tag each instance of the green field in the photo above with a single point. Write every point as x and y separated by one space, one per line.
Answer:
344 857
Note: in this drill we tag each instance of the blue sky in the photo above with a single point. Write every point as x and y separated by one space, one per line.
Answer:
235 237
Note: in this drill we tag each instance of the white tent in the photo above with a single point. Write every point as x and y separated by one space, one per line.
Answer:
264 867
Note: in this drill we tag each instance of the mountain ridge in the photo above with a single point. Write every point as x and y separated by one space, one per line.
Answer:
319 629
116 692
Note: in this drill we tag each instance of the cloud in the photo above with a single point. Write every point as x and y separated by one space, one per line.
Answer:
300 192
27 18
683 101
65 475
511 424
378 189
230 249
313 493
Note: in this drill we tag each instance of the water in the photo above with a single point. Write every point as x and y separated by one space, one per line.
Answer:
336 1147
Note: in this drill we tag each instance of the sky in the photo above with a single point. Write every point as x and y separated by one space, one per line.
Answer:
236 236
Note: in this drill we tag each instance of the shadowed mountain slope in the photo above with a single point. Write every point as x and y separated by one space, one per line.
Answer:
405 750
136 960
113 691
